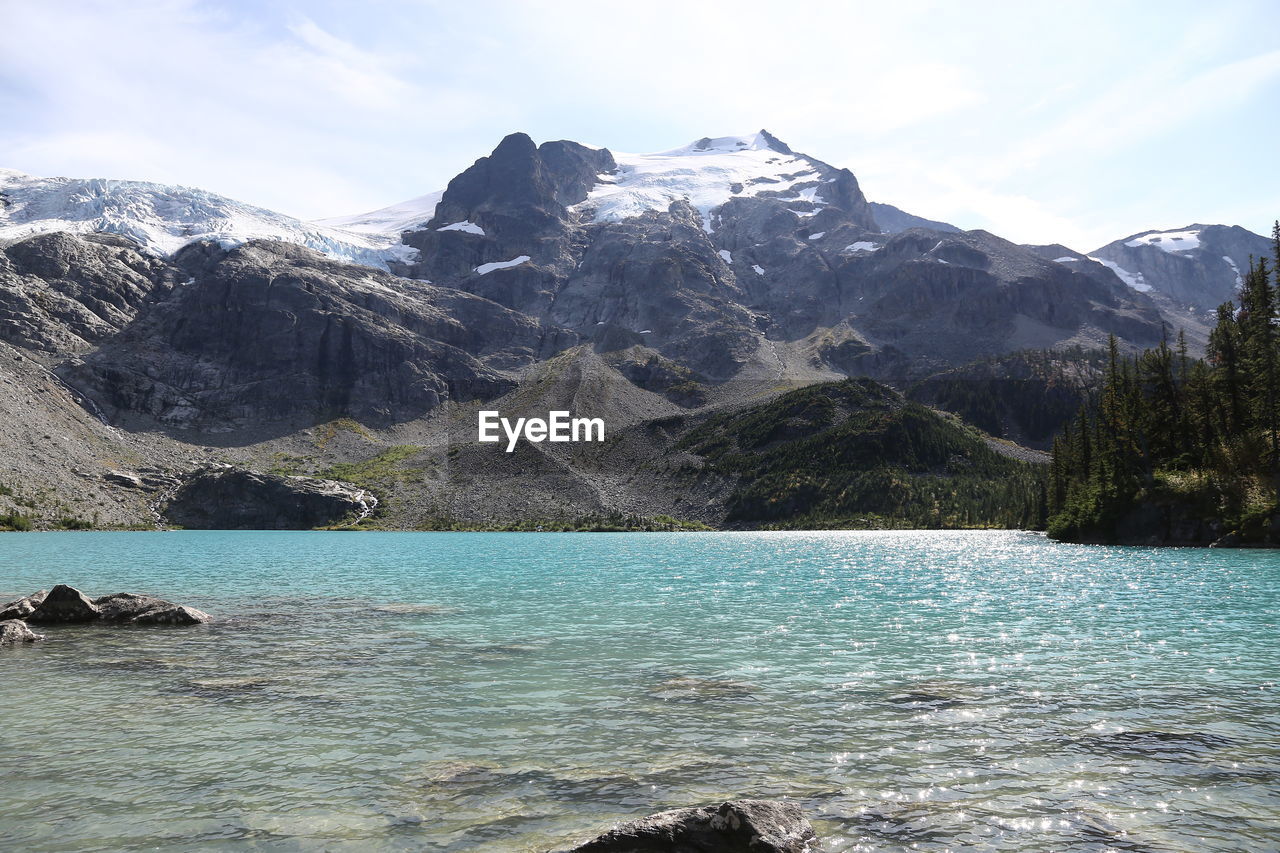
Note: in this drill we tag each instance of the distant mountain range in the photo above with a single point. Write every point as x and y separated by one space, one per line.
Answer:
690 280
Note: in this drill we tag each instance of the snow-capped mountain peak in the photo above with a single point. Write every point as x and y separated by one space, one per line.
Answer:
163 218
707 173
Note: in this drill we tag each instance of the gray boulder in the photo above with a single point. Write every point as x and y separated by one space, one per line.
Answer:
226 498
739 826
64 604
136 609
23 607
14 631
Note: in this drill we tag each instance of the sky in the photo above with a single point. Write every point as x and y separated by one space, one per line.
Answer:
1075 123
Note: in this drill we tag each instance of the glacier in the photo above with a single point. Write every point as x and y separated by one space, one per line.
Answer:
163 218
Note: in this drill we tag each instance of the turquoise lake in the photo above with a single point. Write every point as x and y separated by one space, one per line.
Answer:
924 691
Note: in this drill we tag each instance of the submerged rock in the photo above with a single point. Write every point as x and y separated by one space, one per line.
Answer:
14 631
1158 744
138 609
691 689
739 826
920 700
64 604
23 607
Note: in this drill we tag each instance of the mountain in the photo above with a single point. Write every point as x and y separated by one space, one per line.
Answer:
150 331
736 256
162 219
1198 266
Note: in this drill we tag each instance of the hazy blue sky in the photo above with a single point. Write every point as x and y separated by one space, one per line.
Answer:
1072 122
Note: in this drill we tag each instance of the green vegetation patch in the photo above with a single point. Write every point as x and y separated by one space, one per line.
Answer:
381 469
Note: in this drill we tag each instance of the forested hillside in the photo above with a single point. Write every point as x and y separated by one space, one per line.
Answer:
1179 450
856 454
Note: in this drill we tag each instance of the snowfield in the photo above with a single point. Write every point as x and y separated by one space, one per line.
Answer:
1169 241
405 216
162 219
1133 279
707 173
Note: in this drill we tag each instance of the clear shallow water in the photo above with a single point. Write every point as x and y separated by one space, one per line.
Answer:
915 691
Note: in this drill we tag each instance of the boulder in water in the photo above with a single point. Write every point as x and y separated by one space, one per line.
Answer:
138 609
23 607
64 604
739 826
14 631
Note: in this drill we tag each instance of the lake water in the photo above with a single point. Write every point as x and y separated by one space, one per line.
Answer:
923 691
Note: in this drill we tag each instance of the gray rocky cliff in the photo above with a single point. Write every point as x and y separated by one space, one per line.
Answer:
273 332
61 293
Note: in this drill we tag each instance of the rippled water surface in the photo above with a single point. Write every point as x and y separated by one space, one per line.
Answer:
508 692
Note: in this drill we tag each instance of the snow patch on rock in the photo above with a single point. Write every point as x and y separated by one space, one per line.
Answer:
1133 279
465 226
1169 241
1235 269
485 269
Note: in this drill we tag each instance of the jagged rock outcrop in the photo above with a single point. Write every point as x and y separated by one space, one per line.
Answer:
62 293
15 631
23 607
64 604
937 299
226 498
739 826
511 204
